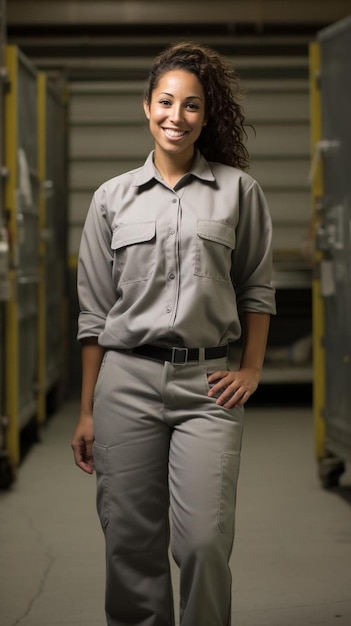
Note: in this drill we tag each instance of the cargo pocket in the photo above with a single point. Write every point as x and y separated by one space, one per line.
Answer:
227 496
215 242
134 247
100 455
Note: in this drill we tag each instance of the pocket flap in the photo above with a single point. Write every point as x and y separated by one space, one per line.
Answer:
129 234
216 231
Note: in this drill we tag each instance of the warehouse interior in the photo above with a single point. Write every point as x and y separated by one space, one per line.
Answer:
72 78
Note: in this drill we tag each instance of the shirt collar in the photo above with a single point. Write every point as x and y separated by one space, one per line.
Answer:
200 168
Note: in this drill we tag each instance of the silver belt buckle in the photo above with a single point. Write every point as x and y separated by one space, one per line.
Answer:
177 350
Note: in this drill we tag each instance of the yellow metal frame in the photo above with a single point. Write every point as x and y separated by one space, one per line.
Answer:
42 321
11 310
318 315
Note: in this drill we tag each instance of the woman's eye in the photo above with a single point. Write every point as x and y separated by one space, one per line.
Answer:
192 106
165 102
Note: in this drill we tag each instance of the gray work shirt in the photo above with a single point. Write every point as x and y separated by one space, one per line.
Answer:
174 266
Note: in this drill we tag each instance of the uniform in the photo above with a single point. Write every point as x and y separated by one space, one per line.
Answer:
163 277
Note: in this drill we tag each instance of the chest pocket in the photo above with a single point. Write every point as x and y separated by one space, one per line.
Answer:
134 247
215 242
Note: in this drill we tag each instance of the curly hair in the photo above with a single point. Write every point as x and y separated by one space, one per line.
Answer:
222 139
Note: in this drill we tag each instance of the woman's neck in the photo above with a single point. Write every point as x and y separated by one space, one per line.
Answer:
172 168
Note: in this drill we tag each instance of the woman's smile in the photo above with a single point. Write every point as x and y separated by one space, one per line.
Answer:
173 133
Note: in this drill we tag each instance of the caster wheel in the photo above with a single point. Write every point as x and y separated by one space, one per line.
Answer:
329 470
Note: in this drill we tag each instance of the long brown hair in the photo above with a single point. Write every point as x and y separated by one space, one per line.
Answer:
222 139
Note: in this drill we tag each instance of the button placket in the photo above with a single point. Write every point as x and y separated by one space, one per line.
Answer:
172 259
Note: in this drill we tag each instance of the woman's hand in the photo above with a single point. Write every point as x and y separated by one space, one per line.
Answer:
234 387
82 444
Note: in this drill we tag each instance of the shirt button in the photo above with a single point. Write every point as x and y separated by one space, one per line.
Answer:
174 201
171 231
168 309
171 276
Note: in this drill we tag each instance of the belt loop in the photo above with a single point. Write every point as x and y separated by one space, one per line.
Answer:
201 354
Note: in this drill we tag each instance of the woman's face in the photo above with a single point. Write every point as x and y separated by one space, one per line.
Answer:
176 113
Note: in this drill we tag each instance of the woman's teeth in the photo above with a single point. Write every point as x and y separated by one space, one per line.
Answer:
174 133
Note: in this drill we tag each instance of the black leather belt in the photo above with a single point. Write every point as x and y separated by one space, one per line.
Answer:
179 355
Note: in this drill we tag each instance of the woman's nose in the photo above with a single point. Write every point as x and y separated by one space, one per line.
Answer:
176 114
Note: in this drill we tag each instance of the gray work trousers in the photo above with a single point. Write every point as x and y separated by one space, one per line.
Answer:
162 445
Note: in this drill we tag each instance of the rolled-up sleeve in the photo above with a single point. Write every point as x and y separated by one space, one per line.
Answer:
96 292
252 258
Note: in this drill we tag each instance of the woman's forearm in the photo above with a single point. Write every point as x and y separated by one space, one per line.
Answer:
92 355
255 334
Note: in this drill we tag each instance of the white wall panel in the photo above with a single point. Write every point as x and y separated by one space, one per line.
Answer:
89 174
289 207
112 107
107 141
279 140
281 173
283 238
274 106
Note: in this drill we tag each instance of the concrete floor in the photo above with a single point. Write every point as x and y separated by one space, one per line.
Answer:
292 557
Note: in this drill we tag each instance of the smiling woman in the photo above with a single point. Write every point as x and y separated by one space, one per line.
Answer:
176 115
175 260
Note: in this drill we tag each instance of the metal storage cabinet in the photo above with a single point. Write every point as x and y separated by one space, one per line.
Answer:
33 322
332 304
21 203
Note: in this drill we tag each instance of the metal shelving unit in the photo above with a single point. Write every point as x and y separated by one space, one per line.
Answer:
33 317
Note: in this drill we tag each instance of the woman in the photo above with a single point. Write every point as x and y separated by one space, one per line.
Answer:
175 258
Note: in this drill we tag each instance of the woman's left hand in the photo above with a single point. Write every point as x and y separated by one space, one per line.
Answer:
234 387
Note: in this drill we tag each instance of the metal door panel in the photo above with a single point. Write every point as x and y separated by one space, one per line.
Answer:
334 235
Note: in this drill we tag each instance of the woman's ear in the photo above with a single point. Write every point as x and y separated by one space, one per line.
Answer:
146 109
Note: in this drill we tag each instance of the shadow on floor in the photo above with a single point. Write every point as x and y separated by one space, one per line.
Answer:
273 395
344 492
